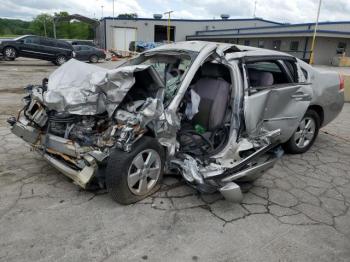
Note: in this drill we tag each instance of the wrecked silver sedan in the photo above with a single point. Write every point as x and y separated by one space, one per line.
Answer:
215 113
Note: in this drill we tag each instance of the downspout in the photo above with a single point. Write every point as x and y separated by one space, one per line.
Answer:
306 43
305 47
105 30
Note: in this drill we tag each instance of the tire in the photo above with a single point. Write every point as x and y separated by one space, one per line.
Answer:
10 53
305 135
128 178
60 60
93 59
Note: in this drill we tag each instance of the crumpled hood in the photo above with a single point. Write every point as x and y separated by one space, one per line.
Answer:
84 89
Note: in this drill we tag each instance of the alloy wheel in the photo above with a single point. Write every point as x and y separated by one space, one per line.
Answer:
94 59
144 172
305 132
61 60
10 52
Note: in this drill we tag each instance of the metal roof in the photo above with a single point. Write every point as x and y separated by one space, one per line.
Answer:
274 27
193 20
332 33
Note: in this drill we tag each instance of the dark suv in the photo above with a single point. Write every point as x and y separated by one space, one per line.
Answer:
56 51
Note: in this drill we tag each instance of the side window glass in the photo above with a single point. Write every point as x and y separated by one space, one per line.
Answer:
31 40
47 42
264 74
293 70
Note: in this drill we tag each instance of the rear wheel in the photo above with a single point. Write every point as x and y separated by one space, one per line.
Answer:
305 135
10 53
130 177
60 60
93 59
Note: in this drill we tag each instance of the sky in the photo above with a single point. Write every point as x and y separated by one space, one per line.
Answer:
285 11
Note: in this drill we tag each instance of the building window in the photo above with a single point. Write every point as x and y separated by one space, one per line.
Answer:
261 43
341 48
276 44
247 42
161 33
294 46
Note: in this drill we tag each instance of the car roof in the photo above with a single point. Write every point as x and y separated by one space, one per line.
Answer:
50 38
239 50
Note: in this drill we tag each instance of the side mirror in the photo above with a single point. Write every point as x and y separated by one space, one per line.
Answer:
21 41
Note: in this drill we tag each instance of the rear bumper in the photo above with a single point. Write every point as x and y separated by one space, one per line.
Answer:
333 108
68 157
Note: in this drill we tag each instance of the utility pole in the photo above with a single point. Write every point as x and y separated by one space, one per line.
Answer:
169 28
254 14
314 36
44 22
54 26
113 9
102 11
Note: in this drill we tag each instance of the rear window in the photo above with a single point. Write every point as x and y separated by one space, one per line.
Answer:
306 75
63 45
85 48
47 42
292 68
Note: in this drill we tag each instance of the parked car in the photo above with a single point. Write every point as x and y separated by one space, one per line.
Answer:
218 114
88 53
56 51
83 42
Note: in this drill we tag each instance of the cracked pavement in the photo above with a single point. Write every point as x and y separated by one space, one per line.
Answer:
297 211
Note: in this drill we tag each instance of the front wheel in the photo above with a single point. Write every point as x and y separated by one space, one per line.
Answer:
10 53
132 176
305 135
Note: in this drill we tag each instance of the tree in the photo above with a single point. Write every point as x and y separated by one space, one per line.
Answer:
42 25
14 27
132 15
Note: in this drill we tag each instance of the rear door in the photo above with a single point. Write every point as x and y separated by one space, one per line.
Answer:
86 52
275 98
48 48
82 52
78 52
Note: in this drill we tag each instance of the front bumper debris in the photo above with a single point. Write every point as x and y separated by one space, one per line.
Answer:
78 163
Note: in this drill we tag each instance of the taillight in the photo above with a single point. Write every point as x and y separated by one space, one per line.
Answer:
342 83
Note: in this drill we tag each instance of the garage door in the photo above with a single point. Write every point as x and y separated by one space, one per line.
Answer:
122 38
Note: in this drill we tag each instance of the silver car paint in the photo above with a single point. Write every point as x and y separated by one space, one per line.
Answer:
268 117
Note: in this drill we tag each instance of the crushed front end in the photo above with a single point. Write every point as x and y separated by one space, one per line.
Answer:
84 113
76 127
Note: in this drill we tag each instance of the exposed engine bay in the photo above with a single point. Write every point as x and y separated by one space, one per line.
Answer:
82 114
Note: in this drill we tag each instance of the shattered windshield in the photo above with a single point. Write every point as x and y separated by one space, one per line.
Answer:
171 67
